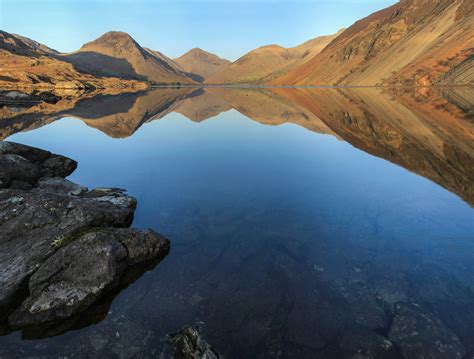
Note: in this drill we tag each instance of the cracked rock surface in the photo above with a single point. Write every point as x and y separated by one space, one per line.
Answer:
62 247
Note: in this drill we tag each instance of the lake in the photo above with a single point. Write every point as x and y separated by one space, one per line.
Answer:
304 223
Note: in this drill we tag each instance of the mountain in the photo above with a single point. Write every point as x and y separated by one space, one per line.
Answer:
23 46
117 54
414 42
169 62
267 62
27 63
201 64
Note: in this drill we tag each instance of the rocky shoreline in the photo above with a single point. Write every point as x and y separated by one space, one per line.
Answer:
63 248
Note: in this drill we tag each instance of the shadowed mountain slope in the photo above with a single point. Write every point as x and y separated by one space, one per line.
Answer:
117 54
25 63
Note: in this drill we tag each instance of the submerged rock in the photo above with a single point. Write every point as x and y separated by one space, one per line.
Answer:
419 334
62 247
189 344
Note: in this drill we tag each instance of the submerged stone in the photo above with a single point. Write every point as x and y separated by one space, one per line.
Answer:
419 334
189 344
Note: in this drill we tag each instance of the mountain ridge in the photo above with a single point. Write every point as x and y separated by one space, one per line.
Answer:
26 63
413 42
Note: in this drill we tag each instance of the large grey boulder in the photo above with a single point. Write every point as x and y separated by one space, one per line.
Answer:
62 247
28 164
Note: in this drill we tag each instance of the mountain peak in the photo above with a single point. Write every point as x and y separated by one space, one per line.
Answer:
114 40
196 50
201 63
117 54
202 54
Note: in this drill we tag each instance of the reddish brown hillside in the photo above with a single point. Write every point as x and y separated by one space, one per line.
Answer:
412 42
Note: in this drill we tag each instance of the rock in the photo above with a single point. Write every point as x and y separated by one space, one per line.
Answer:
16 95
317 268
77 274
58 166
62 247
141 245
60 185
190 345
71 279
366 344
27 164
419 334
34 224
17 168
363 306
21 185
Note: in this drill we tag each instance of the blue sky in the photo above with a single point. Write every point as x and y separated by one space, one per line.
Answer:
229 28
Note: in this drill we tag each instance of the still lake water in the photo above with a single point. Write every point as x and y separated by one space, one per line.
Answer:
298 218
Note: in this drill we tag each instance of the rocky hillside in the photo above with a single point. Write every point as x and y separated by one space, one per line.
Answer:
267 62
27 63
117 54
414 42
201 64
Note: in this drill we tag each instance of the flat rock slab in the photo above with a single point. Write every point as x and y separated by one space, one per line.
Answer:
62 247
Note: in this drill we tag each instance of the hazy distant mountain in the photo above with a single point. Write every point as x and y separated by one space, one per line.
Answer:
24 62
411 42
201 64
117 54
268 62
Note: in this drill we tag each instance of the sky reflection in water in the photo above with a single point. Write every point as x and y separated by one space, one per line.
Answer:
284 240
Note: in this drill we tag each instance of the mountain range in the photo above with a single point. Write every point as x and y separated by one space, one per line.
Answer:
414 42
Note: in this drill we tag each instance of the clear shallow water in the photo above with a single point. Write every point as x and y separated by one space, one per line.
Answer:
287 240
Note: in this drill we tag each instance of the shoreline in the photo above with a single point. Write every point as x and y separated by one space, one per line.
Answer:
120 89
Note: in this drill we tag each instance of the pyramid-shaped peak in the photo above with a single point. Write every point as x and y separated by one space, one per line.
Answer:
113 39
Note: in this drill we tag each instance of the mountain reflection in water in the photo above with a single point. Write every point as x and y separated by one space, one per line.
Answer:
285 243
429 132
